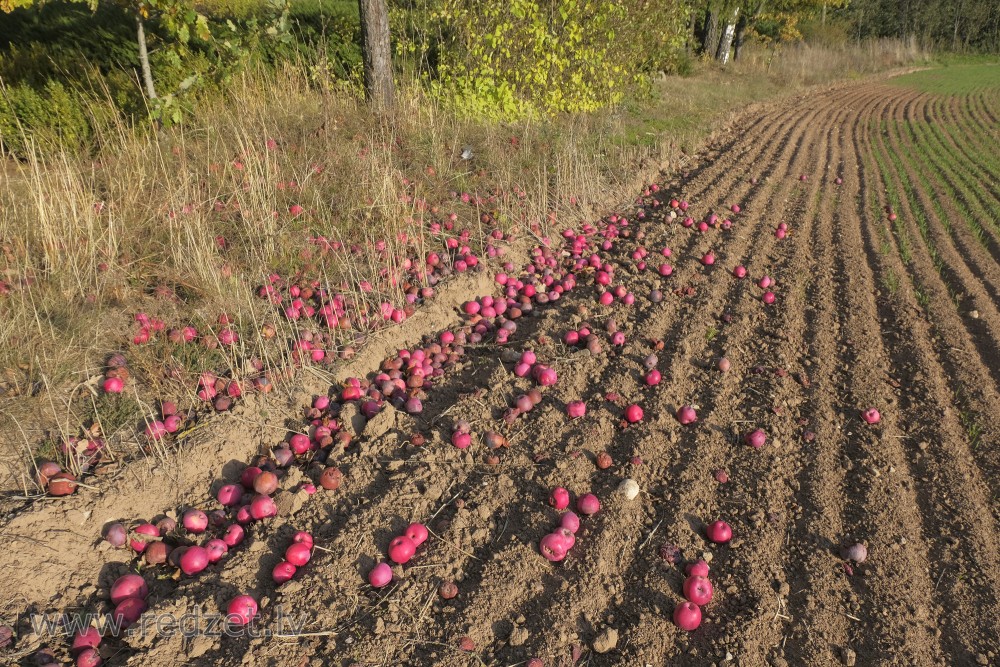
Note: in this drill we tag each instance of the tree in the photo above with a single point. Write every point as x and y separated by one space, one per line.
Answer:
147 72
744 16
710 41
746 20
726 41
178 20
376 54
722 18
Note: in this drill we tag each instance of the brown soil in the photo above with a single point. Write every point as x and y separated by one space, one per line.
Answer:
920 489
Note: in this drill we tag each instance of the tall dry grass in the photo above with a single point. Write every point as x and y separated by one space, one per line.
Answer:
90 239
806 64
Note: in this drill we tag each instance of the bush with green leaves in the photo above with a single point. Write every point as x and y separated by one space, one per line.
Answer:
528 57
49 116
61 60
493 60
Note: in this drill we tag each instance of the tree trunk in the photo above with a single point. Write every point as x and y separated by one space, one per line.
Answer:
711 39
147 74
996 32
742 25
722 55
376 54
958 19
690 41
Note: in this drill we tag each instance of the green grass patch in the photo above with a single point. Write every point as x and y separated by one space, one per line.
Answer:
684 106
891 281
115 412
954 79
962 178
985 165
918 211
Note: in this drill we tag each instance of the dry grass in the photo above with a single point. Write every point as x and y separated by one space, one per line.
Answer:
804 64
88 240
686 108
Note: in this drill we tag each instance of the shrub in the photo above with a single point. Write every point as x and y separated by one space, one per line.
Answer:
51 116
524 57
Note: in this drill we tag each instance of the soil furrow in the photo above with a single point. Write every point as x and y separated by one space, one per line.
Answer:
959 265
982 106
619 452
700 489
962 135
679 360
967 178
938 192
897 586
922 422
817 594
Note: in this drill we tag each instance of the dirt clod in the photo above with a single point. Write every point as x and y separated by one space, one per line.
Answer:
606 641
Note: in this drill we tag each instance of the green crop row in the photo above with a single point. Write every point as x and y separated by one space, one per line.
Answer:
955 174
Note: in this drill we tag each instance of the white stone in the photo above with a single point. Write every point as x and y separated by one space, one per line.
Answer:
629 488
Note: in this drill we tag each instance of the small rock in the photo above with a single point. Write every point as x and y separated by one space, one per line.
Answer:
290 587
974 314
289 504
352 420
606 641
629 488
198 646
518 637
849 657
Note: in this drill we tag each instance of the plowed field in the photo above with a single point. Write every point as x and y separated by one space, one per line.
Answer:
887 291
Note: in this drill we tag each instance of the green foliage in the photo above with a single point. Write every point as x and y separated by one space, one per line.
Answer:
526 57
59 60
682 64
953 25
49 115
829 33
115 412
327 34
773 29
492 60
